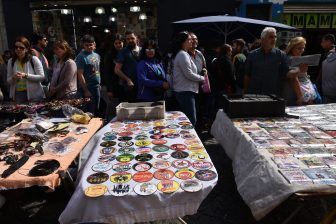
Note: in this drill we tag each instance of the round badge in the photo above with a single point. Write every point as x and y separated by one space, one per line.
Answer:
121 177
159 141
196 147
102 167
173 126
116 125
181 164
178 147
125 133
198 156
187 126
184 123
156 136
95 191
183 132
143 157
130 122
159 123
159 127
180 154
171 136
108 144
142 143
161 164
131 125
106 158
141 137
145 189
184 174
142 166
189 136
109 138
163 155
110 134
108 150
126 150
97 178
160 148
154 132
205 175
143 150
120 190
192 141
125 138
163 174
121 167
142 177
202 165
125 144
168 186
183 119
125 158
191 185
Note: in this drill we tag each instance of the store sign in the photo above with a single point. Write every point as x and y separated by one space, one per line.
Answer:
310 20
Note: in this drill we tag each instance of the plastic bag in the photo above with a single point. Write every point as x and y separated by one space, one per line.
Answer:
68 111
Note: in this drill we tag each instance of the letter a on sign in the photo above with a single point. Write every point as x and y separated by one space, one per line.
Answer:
311 21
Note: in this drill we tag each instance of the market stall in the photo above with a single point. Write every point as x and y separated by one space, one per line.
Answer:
41 162
142 171
272 158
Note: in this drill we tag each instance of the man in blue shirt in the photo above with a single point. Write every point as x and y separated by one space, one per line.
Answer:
88 73
267 67
126 66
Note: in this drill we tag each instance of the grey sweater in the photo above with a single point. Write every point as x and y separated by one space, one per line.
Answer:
329 75
185 77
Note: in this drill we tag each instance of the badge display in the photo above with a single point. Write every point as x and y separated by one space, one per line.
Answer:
121 177
202 165
143 150
125 144
121 167
196 147
178 147
163 155
160 148
142 166
205 175
188 136
184 123
159 127
143 157
125 158
184 174
199 156
108 144
142 143
110 134
125 138
171 136
168 186
102 167
106 158
161 164
180 154
191 185
109 138
142 176
192 142
97 178
108 150
141 137
95 191
183 132
173 126
187 126
156 136
126 150
159 141
120 190
145 189
125 133
181 164
163 174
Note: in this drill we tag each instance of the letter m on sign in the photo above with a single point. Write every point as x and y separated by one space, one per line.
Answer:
325 21
298 20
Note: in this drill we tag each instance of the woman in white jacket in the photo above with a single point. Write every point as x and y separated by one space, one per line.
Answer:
24 74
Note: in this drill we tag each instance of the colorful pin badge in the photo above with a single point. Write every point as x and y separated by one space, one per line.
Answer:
142 166
205 175
142 176
109 138
120 190
184 174
95 191
178 147
125 158
202 165
141 137
179 154
142 143
125 133
198 156
143 157
143 150
125 144
97 178
191 185
126 150
162 155
108 144
121 177
102 167
161 164
168 186
125 138
181 164
163 174
145 189
159 141
160 148
108 150
106 158
156 136
121 167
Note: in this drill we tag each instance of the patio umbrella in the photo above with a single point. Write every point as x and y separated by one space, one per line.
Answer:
227 26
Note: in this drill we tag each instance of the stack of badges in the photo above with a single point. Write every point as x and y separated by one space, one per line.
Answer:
145 157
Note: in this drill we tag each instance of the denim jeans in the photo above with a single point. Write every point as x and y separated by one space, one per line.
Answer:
186 101
93 106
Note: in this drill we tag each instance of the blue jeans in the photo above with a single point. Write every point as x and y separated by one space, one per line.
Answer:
186 101
93 106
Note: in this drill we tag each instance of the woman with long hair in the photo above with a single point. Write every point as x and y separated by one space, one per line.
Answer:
186 81
64 79
24 74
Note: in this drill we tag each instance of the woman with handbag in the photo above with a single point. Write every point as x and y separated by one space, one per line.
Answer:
64 79
152 80
25 74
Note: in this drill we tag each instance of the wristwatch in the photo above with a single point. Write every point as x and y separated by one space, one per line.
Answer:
26 75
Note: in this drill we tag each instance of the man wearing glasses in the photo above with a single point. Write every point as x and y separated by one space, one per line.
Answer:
40 43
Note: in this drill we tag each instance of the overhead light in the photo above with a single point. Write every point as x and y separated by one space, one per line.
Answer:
65 11
45 5
142 16
55 5
65 5
107 31
100 10
94 26
87 19
112 19
114 10
135 8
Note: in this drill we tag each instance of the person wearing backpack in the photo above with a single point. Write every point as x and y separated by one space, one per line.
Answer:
39 44
25 74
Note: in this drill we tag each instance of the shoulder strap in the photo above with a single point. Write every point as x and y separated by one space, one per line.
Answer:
32 63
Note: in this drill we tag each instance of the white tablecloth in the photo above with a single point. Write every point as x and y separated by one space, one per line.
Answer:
130 208
258 181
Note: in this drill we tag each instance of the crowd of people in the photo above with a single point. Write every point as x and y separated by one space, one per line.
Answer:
132 70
